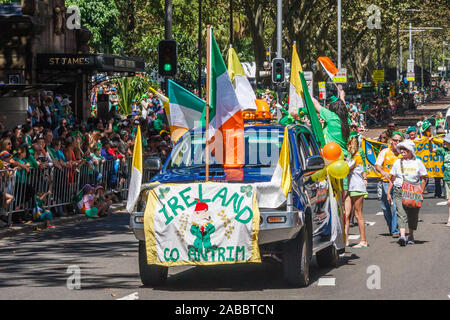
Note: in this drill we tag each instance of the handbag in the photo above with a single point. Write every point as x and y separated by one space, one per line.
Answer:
412 196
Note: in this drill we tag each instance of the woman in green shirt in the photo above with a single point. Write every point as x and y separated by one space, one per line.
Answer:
337 123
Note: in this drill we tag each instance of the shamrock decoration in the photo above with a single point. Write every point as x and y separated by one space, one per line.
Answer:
163 192
247 190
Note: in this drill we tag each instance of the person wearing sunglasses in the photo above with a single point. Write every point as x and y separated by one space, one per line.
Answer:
383 165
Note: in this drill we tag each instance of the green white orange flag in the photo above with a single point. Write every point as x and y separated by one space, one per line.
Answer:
186 110
329 66
296 94
225 113
244 91
136 172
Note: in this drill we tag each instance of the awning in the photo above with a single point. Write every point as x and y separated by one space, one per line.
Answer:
21 90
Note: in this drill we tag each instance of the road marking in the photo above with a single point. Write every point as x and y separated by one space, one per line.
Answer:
353 237
443 203
327 282
379 213
133 296
370 223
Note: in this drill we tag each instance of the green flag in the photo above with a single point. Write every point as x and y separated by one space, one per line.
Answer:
315 123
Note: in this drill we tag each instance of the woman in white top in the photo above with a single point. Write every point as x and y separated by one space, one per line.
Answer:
357 189
413 171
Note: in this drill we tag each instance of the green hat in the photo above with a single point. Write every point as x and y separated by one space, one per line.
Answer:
302 112
425 125
411 129
333 99
399 133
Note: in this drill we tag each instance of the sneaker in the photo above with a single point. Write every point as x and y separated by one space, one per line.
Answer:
395 235
51 227
402 241
410 240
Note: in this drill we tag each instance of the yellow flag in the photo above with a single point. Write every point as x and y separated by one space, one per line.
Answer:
136 172
295 85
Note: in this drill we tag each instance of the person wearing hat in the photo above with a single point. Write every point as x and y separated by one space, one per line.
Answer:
202 227
89 199
412 133
445 154
357 188
102 202
426 128
383 165
411 170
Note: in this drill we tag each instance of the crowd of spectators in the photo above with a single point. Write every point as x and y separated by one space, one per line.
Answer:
53 138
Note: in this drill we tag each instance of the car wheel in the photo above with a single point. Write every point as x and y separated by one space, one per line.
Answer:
296 260
327 257
151 275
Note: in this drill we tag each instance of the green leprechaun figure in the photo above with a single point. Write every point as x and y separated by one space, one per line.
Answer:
202 227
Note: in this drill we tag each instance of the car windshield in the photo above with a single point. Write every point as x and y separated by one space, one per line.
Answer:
262 149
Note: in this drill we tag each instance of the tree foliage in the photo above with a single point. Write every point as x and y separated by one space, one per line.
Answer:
136 27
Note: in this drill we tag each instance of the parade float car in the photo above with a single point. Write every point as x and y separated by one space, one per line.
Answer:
290 233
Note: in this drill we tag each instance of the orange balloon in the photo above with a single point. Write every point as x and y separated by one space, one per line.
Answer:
332 151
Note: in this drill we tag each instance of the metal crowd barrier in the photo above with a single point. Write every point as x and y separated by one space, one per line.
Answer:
65 184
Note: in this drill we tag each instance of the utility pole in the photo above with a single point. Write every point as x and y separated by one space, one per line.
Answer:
423 62
279 27
398 54
167 34
401 61
339 9
279 32
231 22
199 67
410 51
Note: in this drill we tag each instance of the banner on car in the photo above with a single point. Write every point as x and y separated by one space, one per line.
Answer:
202 224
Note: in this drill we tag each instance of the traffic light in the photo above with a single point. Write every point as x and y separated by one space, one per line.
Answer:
167 58
278 69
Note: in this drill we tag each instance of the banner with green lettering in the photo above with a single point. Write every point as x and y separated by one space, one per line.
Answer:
202 224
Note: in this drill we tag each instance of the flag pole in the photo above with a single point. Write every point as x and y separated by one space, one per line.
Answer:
208 98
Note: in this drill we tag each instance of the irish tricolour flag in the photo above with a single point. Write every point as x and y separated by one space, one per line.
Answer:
225 114
328 66
186 110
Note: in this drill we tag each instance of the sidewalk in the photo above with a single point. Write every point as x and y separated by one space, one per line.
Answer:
17 229
411 117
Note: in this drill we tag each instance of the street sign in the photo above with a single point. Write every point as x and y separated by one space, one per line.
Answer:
410 68
410 76
322 91
378 75
309 78
359 86
341 76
